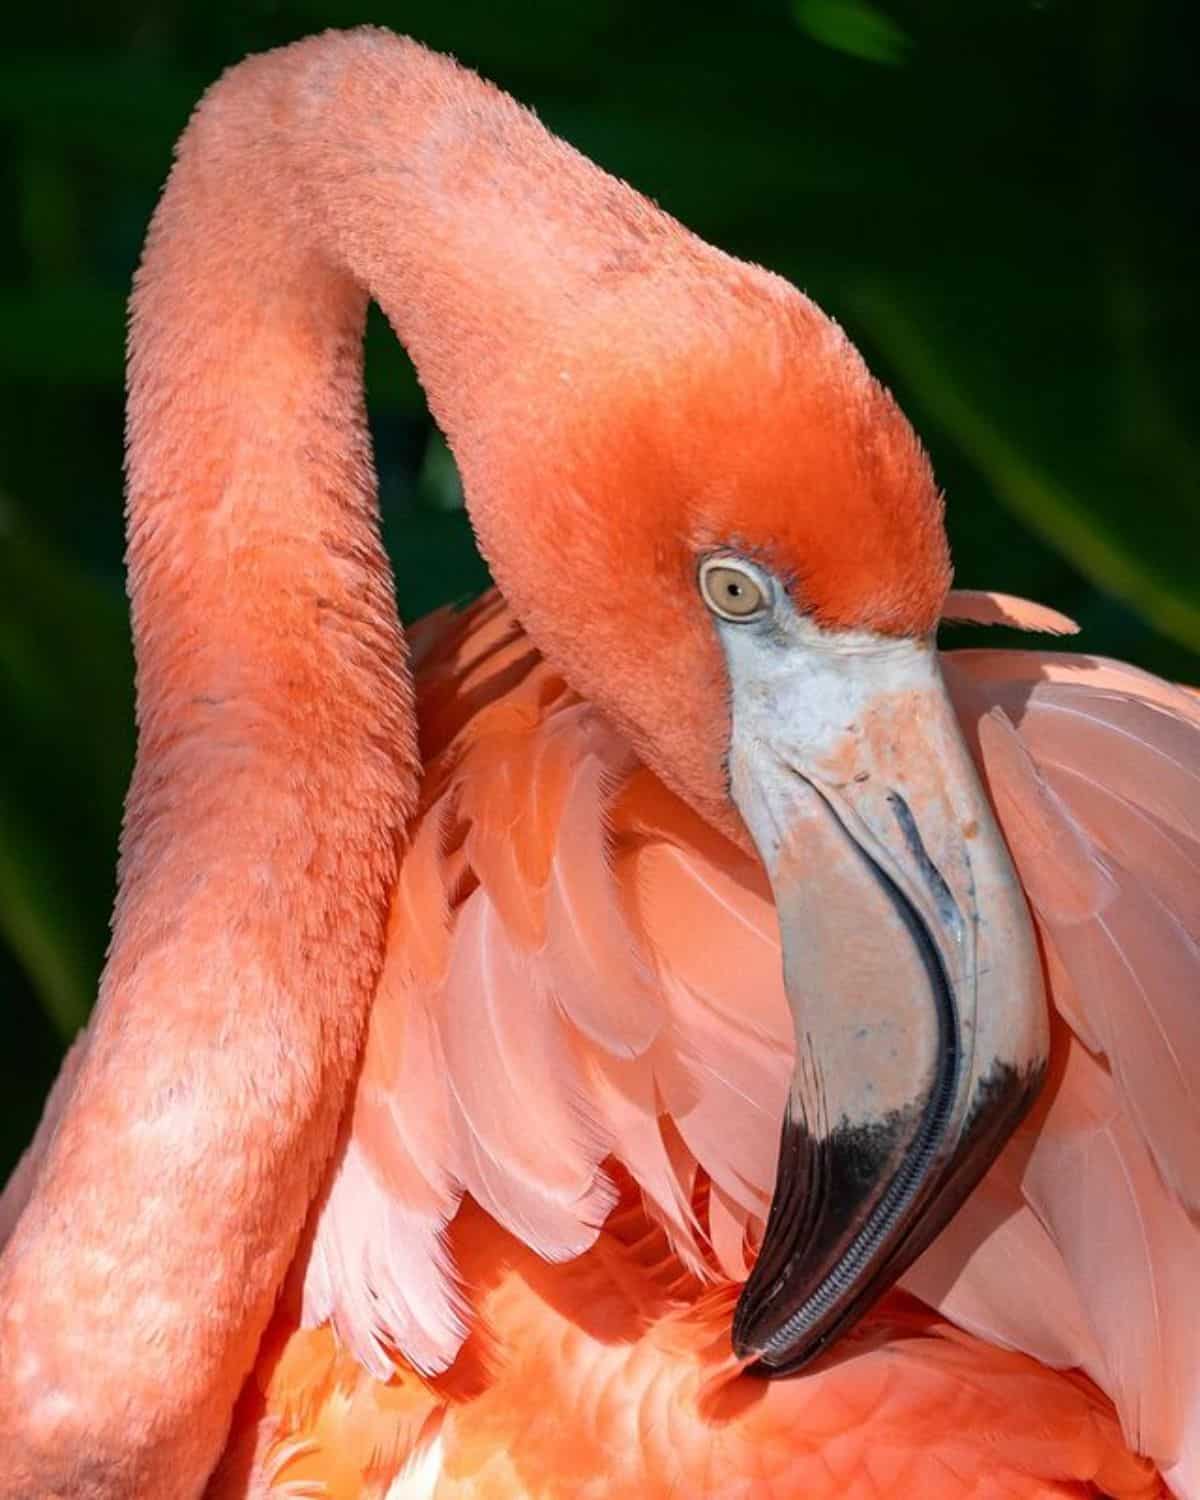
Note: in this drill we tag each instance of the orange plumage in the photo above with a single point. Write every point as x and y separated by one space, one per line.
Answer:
446 990
613 1369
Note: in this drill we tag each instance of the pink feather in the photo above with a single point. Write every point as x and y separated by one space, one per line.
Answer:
977 607
611 988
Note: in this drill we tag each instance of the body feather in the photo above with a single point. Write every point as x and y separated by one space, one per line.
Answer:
1075 1249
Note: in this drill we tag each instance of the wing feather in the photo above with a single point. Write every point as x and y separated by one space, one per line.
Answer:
600 976
1127 954
580 969
510 1069
1091 768
980 607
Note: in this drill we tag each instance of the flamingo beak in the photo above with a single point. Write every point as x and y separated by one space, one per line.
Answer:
909 961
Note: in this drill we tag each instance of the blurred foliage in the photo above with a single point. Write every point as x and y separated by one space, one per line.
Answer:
994 198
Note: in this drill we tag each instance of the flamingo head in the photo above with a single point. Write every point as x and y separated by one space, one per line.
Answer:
730 539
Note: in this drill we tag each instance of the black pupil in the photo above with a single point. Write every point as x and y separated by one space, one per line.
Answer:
735 590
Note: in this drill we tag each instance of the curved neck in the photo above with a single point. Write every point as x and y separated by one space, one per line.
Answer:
350 166
309 180
277 759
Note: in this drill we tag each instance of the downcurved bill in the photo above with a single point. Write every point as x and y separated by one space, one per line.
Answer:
910 966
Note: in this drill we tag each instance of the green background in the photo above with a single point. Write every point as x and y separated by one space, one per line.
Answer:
994 196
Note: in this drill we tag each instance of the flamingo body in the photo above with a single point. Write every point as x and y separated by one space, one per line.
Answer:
611 1377
602 1362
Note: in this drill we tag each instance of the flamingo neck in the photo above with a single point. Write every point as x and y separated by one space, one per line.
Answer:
347 167
277 761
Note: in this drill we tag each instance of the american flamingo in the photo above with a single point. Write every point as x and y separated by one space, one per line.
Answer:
558 873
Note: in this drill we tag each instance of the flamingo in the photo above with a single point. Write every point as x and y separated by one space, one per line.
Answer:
426 1140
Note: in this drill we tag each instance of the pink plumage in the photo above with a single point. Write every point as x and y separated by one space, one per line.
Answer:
544 869
1087 1204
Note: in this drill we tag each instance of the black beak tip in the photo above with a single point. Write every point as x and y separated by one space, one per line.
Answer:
745 1346
773 1364
779 1322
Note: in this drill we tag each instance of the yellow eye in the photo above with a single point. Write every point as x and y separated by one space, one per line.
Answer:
731 590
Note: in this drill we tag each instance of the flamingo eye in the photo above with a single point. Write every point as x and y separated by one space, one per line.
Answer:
732 590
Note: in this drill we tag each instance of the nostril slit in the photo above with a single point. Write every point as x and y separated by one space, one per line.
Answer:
943 897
